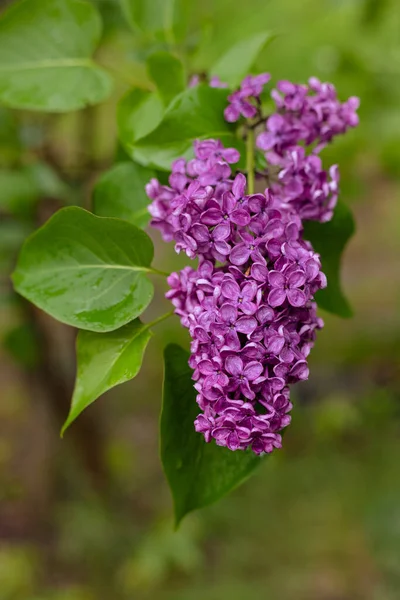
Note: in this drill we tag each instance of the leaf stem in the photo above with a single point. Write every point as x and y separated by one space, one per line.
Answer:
158 272
159 319
250 160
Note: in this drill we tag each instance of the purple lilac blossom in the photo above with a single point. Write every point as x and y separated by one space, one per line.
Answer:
249 305
309 115
252 319
244 101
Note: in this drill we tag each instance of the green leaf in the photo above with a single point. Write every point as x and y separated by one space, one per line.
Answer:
236 63
120 192
198 473
153 16
22 188
105 360
86 271
329 240
12 235
138 113
168 74
19 192
146 15
45 56
196 113
22 344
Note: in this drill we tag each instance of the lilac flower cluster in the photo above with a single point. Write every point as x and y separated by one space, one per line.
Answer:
249 305
306 115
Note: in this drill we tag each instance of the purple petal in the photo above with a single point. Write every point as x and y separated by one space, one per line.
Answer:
200 233
276 279
228 313
259 272
300 370
246 325
276 297
230 289
240 254
275 344
248 308
222 248
240 217
296 297
296 279
239 185
221 232
212 216
206 367
234 365
232 340
253 370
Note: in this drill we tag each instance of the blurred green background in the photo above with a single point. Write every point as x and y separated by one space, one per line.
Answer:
89 517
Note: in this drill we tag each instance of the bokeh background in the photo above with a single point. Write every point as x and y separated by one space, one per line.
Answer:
89 517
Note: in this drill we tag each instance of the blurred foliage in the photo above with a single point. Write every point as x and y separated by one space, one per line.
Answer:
321 519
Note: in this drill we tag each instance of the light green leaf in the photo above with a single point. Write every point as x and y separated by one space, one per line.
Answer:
196 113
105 360
237 62
168 74
146 15
45 56
120 192
86 271
138 113
329 240
198 473
154 16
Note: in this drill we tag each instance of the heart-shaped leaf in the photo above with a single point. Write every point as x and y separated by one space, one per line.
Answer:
329 240
168 74
86 271
237 62
138 114
105 360
196 113
45 56
120 193
198 473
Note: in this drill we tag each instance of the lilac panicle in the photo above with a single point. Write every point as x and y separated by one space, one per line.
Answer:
249 305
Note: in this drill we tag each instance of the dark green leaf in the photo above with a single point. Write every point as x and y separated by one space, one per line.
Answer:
237 62
168 74
86 271
330 239
198 473
120 193
45 56
196 113
138 113
105 360
21 343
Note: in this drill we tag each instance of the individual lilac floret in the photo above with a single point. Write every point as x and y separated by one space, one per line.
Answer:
244 102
